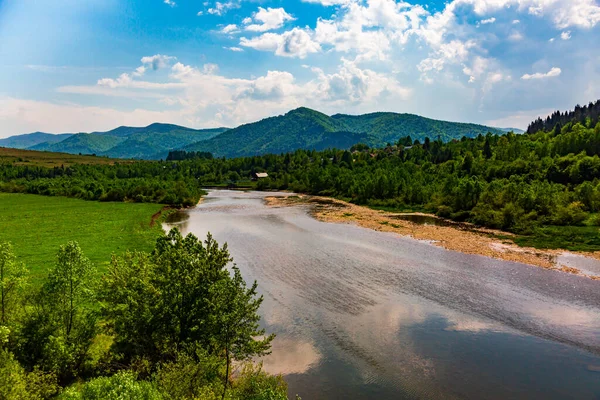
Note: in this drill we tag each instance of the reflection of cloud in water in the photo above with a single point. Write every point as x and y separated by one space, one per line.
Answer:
290 356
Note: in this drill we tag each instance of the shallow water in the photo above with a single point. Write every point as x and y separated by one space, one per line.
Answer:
361 314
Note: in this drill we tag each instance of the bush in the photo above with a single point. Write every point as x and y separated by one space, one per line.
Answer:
122 385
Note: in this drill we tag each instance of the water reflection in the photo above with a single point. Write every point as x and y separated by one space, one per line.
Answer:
362 314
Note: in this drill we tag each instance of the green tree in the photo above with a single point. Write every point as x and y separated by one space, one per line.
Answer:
174 301
70 286
58 333
13 278
234 321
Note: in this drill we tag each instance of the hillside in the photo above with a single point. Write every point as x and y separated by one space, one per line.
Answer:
83 143
383 128
150 142
298 129
304 128
31 139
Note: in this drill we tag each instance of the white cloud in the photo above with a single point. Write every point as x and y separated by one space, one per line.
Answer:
157 61
566 35
267 19
328 3
170 3
200 13
222 8
488 21
554 72
295 43
235 49
231 28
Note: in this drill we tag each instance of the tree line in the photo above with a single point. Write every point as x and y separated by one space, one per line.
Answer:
162 325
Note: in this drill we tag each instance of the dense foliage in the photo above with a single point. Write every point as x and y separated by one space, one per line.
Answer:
142 182
180 155
587 115
170 325
304 128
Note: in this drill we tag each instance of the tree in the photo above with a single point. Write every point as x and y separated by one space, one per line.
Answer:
70 285
61 325
179 298
234 321
13 278
487 149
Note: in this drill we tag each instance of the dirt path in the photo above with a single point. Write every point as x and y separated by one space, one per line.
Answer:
471 241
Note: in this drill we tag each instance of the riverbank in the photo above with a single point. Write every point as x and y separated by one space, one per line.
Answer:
458 237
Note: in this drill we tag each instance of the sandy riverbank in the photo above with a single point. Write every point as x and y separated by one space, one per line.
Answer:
470 241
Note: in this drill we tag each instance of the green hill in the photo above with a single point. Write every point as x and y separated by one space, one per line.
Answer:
304 128
84 143
150 142
383 128
31 139
299 129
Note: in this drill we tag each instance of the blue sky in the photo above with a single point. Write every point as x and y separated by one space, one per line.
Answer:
73 66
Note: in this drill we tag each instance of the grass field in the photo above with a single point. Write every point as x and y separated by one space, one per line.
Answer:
49 159
38 225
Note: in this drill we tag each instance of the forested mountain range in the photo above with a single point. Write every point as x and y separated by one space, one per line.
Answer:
32 139
150 142
302 128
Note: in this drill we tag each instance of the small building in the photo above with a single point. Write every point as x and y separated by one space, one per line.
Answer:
259 175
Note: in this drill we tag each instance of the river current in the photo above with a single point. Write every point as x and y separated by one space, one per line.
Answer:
361 314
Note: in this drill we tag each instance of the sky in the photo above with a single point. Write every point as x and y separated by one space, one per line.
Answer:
93 65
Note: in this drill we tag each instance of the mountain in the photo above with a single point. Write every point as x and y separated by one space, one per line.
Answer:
32 139
298 129
150 142
387 127
84 143
304 128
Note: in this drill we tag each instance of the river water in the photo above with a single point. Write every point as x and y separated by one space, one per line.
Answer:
361 314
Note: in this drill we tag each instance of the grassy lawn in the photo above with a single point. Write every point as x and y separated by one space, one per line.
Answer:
38 225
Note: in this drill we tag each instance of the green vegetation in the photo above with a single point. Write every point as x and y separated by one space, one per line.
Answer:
172 324
31 139
304 128
141 182
37 225
151 142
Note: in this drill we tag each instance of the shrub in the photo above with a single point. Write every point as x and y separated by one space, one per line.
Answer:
122 385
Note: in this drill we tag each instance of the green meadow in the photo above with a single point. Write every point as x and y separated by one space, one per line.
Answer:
37 225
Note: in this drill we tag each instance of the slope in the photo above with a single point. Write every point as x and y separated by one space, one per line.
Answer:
302 128
31 139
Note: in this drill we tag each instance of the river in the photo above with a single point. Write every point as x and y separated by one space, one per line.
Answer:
361 314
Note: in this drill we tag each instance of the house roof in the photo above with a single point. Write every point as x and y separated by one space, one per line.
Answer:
262 175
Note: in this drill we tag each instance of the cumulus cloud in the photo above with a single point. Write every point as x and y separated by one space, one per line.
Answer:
157 61
221 8
267 19
170 3
554 72
234 49
566 35
295 43
231 28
